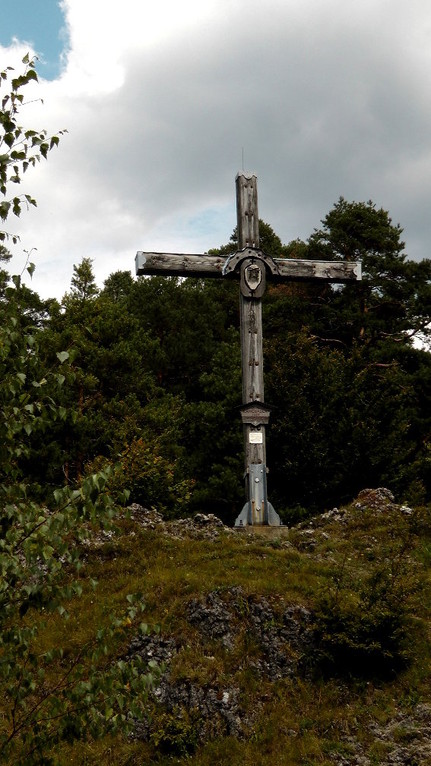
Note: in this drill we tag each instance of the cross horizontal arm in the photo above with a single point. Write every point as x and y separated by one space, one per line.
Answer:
328 271
179 265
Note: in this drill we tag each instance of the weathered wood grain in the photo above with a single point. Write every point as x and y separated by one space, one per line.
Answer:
328 271
178 265
247 210
209 266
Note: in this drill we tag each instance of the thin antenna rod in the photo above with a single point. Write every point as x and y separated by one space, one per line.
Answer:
242 157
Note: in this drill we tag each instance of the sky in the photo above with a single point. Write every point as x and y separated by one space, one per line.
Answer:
164 102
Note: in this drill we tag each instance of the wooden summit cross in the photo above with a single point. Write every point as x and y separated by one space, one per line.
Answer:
252 267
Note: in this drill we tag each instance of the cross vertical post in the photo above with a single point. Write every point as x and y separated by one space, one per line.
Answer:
254 412
250 299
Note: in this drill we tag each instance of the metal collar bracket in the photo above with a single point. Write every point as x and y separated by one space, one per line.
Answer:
234 260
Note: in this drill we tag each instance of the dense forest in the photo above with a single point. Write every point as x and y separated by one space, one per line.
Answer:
150 378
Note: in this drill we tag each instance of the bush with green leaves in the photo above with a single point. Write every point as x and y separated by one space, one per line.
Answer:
363 633
43 699
46 698
363 619
20 148
177 733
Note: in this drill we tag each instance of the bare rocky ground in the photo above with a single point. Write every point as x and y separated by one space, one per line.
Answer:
222 617
201 526
404 741
286 638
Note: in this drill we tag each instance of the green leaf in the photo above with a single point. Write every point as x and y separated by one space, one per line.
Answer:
30 268
4 210
62 356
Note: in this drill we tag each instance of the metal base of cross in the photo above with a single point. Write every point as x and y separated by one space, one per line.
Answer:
258 511
245 518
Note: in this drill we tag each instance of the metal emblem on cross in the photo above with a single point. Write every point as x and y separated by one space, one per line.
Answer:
252 266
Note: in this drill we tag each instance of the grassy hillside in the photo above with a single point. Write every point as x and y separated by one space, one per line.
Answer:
303 646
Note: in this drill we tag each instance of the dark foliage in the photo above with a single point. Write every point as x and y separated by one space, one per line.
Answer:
154 372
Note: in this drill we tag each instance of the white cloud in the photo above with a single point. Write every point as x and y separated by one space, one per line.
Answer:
327 98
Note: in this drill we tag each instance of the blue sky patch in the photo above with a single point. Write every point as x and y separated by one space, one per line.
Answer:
41 24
